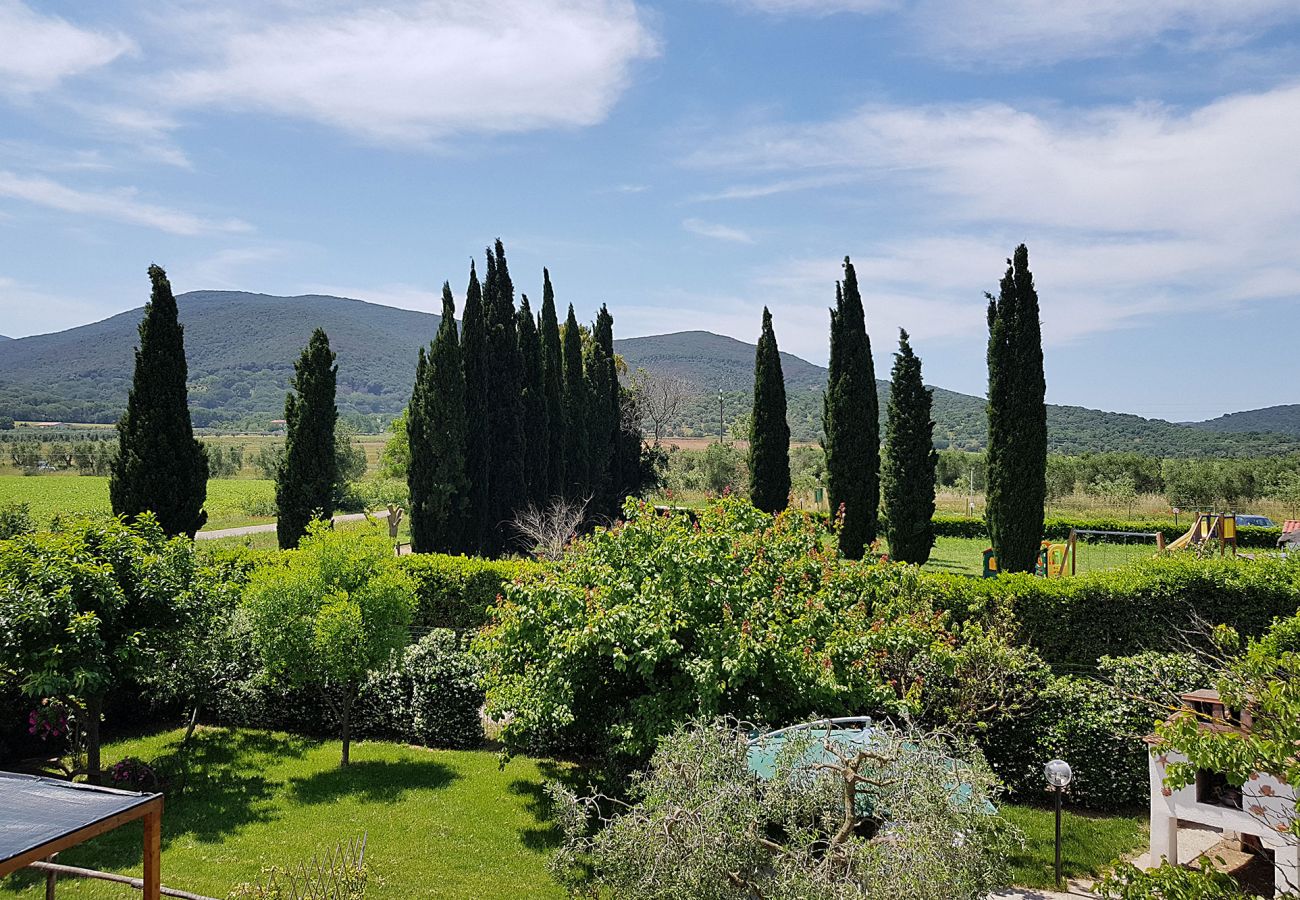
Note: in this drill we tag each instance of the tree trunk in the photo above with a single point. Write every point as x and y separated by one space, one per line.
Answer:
93 707
194 720
345 719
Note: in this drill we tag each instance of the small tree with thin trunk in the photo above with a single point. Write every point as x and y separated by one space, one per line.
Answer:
330 616
662 399
907 472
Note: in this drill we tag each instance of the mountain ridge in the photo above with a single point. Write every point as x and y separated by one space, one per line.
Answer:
241 347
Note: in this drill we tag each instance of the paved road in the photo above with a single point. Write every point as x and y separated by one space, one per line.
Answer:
270 526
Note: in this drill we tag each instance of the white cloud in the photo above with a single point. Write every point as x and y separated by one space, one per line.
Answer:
816 7
717 232
38 51
120 205
418 71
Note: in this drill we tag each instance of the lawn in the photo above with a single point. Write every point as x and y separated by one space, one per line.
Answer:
965 556
1089 843
50 495
450 824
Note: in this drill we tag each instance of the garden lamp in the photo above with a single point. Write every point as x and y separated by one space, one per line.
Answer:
1058 775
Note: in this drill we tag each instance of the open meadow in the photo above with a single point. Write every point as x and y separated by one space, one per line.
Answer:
231 502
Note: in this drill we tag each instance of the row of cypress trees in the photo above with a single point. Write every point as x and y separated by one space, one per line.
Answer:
512 412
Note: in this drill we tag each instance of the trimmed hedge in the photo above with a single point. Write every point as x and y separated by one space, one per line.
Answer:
1058 529
1073 622
457 591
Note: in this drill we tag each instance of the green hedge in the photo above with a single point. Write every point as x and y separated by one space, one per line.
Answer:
1058 529
1073 622
457 591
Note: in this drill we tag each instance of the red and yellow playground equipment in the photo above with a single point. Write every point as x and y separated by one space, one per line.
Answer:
1221 527
1053 559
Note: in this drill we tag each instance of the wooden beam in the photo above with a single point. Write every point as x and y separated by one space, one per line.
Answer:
153 853
81 835
137 883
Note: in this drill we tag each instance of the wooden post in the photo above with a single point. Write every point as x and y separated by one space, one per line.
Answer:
1160 541
1074 551
51 878
152 887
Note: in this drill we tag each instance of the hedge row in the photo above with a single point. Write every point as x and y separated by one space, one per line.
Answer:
1058 529
1150 605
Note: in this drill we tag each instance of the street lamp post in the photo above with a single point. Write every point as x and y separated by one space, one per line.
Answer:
1058 775
721 439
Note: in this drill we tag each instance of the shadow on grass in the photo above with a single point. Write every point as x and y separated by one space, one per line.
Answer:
546 834
371 781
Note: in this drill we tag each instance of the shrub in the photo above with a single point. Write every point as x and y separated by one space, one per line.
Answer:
458 591
430 695
15 519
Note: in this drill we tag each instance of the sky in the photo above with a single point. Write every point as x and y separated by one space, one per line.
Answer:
687 162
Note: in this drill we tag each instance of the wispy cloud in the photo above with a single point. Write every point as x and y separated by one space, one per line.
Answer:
120 205
416 71
816 7
39 51
717 231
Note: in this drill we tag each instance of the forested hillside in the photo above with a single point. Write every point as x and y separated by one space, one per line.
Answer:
241 348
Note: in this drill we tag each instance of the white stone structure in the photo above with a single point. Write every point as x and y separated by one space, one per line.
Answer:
1263 806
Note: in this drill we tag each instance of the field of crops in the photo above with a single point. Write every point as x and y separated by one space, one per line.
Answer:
229 500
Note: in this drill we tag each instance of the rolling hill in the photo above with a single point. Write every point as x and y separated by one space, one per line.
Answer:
1279 419
241 348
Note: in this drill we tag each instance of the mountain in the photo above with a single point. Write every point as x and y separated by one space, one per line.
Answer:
241 348
1280 419
5 337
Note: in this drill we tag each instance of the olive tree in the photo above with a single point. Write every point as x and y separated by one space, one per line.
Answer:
331 615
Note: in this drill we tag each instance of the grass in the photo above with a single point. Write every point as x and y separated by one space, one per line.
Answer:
451 824
965 556
77 495
1089 843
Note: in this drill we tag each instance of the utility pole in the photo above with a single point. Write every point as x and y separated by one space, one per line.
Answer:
720 437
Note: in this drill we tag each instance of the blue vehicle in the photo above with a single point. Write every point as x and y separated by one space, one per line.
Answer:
1256 521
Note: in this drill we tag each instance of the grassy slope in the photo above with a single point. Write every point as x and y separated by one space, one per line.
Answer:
50 495
450 824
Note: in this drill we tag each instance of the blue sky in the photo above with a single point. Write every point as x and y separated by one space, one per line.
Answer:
687 162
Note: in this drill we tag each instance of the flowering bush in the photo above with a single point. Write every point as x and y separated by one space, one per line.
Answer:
133 774
49 721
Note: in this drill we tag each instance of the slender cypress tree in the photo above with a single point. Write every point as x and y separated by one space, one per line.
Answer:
907 476
304 484
1017 454
436 430
769 434
602 414
160 466
508 491
536 416
577 484
851 421
552 389
478 435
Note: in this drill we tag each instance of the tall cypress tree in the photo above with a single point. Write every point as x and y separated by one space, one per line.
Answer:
304 484
436 429
577 483
851 421
508 492
160 466
602 415
769 431
907 472
552 389
536 416
478 433
1017 454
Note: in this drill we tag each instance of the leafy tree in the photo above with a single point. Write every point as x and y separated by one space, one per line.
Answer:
769 436
436 431
331 615
396 456
536 414
308 472
602 415
476 359
552 389
90 607
6 423
851 421
1017 411
907 479
577 481
160 466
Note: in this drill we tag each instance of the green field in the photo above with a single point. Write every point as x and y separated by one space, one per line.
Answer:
1089 843
965 556
79 495
442 823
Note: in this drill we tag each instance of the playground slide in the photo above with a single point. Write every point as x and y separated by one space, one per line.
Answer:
1186 539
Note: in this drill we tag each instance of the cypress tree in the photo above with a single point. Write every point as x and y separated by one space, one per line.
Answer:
1017 410
851 421
769 434
577 485
160 466
436 429
507 449
536 417
907 476
602 415
478 436
552 389
304 483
